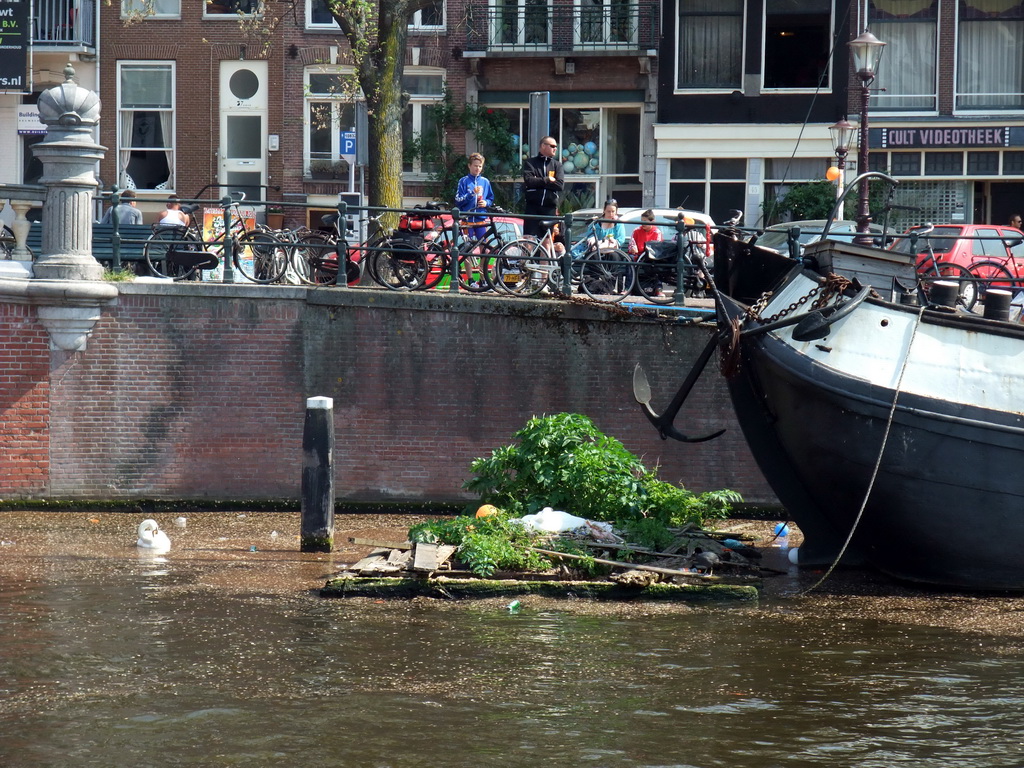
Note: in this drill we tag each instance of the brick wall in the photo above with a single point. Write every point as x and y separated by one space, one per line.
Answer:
199 392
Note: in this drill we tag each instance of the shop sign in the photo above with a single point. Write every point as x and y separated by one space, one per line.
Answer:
28 119
947 137
14 43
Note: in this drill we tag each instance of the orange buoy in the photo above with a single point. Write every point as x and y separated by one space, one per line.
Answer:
487 510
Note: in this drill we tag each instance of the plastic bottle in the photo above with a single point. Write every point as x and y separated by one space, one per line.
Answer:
782 536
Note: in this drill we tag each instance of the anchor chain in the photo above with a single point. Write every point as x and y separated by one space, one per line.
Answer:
832 288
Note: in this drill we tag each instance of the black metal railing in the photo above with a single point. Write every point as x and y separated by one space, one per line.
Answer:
541 26
65 23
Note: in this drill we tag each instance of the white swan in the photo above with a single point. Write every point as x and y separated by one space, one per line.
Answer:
152 538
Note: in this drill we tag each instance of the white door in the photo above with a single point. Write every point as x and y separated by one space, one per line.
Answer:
243 127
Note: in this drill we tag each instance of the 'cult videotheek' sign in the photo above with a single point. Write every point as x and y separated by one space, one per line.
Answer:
14 42
945 137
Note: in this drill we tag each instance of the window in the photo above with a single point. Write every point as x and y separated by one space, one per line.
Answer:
907 73
944 164
330 110
796 43
520 23
145 125
710 44
781 175
599 148
154 9
232 8
605 23
318 15
431 17
425 88
990 63
714 186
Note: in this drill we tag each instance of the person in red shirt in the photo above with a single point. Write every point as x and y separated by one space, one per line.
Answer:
645 233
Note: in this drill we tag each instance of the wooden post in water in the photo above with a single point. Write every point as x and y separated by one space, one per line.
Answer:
317 534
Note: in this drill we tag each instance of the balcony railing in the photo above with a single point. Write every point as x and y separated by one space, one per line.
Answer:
65 23
543 27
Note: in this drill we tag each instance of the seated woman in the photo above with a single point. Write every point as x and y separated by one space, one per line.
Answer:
644 234
604 233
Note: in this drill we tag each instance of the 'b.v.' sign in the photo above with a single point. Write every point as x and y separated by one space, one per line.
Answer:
15 29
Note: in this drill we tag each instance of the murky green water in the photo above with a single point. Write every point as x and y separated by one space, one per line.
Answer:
117 660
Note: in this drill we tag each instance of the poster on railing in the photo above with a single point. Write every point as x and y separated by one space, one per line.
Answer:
213 235
14 42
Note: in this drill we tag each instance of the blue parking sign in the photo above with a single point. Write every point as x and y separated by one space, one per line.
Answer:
348 146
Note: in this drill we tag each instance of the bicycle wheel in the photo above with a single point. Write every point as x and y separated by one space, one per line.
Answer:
992 274
607 276
656 281
399 266
520 268
437 261
160 248
260 257
968 291
314 260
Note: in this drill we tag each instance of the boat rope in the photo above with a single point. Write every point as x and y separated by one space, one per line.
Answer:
878 461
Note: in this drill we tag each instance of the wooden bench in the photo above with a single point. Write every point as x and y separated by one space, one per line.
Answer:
102 242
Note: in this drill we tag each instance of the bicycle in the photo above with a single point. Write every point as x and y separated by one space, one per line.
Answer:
472 273
931 269
657 269
179 252
527 267
1003 273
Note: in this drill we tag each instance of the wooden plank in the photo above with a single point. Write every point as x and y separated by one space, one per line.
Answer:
628 566
359 541
430 557
424 557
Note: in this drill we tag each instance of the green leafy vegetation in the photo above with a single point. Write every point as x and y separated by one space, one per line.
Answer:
122 275
563 461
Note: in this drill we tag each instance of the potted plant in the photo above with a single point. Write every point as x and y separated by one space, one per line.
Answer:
321 169
275 217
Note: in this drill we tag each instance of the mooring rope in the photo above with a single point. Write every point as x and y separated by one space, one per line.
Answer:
878 461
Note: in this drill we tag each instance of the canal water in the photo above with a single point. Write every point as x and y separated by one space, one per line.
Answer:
221 654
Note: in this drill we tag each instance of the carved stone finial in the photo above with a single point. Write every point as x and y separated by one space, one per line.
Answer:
69 73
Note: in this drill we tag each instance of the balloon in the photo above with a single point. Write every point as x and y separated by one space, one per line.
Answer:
515 138
581 160
573 148
568 167
590 147
832 173
594 162
565 154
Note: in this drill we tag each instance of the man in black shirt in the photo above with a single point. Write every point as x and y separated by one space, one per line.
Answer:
544 180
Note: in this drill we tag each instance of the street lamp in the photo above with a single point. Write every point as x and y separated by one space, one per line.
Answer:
843 134
866 50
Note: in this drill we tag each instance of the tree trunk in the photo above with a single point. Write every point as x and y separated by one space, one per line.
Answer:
379 47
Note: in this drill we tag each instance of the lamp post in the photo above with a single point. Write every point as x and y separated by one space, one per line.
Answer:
866 50
843 133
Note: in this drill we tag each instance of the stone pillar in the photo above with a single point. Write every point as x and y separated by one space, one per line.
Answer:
69 156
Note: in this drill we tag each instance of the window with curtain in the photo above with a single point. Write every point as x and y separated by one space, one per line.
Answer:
151 9
145 125
517 23
990 55
710 44
319 15
907 72
431 17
